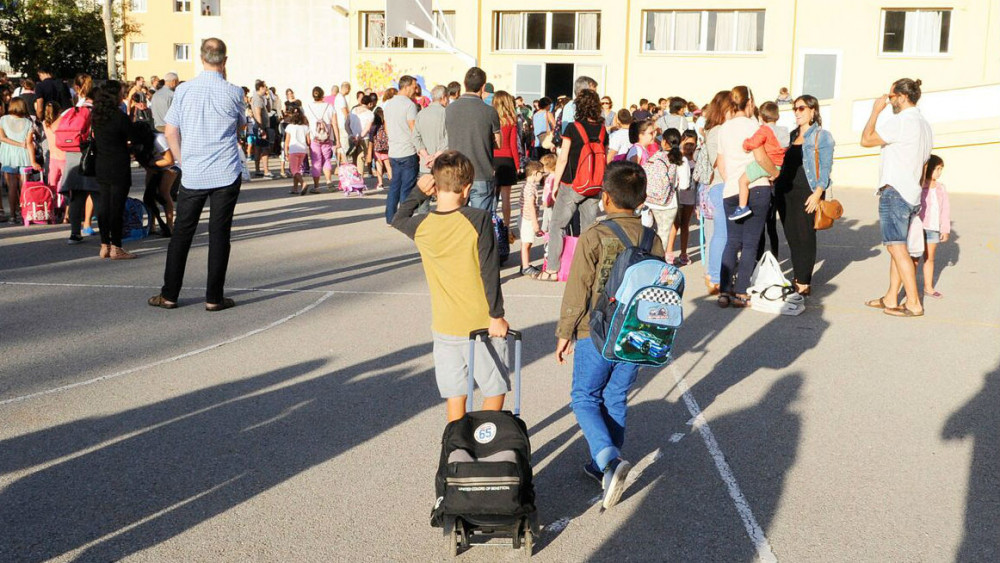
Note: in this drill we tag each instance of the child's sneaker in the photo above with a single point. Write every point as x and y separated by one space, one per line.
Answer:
530 271
614 481
740 213
591 470
88 231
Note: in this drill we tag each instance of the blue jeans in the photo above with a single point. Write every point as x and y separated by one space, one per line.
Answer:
599 400
404 178
483 195
894 216
718 242
743 238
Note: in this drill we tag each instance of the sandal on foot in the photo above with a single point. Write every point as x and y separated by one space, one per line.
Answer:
737 302
547 276
227 303
902 312
159 301
724 300
876 303
934 294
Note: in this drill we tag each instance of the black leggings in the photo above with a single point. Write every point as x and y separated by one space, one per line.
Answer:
111 212
799 231
78 206
152 198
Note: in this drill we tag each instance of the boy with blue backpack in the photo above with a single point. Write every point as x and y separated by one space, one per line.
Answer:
621 306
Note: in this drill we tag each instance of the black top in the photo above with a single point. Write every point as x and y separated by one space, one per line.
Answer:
576 145
53 90
792 174
29 100
112 154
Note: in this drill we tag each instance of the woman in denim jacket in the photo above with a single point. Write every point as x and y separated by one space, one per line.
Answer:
800 186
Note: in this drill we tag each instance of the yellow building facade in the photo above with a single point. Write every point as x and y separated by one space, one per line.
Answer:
846 53
165 38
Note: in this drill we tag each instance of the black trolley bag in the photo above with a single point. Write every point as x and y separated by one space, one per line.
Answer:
484 480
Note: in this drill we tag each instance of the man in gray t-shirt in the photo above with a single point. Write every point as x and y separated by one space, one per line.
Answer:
162 100
400 118
474 130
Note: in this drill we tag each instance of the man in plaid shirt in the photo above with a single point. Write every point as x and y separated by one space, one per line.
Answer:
202 128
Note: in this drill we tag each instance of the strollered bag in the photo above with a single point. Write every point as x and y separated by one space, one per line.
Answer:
828 210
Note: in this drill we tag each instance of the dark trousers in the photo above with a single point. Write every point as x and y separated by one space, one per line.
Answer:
78 206
799 231
222 204
111 212
152 198
404 178
771 229
743 238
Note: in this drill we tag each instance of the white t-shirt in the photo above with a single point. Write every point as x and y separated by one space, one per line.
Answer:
618 141
340 105
909 141
932 216
361 121
731 136
296 135
316 112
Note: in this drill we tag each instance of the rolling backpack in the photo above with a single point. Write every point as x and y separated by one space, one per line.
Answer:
589 177
639 310
350 179
135 221
37 201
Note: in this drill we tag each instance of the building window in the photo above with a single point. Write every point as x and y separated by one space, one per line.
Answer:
716 31
916 32
547 31
138 6
210 8
139 51
182 5
182 51
373 33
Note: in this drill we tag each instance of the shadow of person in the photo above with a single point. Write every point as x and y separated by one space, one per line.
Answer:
687 511
979 419
947 255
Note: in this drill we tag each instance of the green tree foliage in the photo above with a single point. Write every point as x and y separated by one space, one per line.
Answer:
62 35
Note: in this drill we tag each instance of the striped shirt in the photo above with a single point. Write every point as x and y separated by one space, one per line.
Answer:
209 112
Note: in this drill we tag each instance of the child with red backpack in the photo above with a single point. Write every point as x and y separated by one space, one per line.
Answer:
580 171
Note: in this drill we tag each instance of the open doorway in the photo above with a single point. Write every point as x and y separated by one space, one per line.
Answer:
558 80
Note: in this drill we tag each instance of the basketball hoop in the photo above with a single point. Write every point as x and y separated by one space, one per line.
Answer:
412 18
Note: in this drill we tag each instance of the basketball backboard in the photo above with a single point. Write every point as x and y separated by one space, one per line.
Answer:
399 13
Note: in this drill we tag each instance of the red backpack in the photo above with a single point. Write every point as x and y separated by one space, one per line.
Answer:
590 165
74 129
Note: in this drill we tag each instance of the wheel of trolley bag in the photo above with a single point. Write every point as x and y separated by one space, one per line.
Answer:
528 542
463 533
515 538
450 536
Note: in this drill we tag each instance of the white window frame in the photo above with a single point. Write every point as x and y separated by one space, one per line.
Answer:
903 54
131 52
188 45
498 31
185 6
703 38
138 6
363 36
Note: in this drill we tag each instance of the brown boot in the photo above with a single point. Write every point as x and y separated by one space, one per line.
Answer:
119 253
105 251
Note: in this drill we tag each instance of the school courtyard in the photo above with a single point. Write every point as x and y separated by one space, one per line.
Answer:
304 424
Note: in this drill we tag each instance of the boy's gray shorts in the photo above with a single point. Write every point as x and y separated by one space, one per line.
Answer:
451 366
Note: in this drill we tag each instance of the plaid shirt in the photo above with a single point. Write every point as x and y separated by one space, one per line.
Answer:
209 112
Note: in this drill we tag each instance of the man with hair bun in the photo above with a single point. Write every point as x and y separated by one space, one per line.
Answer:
906 140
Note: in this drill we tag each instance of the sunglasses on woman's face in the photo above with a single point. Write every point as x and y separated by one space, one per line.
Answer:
605 103
799 109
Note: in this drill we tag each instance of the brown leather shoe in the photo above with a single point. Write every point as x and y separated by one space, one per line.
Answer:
105 251
119 253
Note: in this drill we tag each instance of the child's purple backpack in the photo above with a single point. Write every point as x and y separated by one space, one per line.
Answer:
350 179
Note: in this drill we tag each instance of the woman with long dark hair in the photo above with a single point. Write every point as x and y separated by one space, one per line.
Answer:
800 187
114 174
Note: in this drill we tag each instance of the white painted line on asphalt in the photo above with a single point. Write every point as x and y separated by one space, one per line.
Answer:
259 289
232 340
557 526
764 552
676 437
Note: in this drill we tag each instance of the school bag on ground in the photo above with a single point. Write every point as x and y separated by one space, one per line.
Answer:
74 129
136 220
350 179
503 242
37 200
590 165
484 483
639 310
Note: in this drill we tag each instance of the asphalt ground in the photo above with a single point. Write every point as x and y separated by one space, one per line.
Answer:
304 424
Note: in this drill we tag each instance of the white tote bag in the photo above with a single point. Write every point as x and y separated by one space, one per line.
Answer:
768 273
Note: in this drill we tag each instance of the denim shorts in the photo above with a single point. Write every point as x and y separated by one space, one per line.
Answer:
932 237
11 170
894 216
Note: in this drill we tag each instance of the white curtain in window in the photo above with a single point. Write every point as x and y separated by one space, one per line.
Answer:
445 25
725 28
375 38
511 30
746 31
923 32
587 29
687 31
661 31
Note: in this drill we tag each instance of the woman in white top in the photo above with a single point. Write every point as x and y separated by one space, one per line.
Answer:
362 118
743 237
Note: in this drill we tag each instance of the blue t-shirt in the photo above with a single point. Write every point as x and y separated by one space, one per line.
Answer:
541 126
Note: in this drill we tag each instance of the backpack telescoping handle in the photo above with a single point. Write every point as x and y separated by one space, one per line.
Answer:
484 335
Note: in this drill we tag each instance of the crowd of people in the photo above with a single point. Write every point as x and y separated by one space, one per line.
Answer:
459 151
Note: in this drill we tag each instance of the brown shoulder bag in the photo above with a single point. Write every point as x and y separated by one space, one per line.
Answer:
828 210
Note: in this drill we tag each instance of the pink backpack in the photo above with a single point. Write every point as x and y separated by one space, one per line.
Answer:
74 129
37 203
350 179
